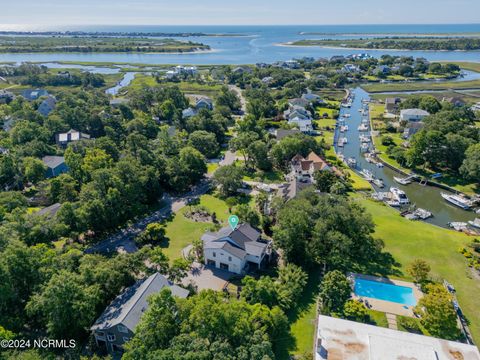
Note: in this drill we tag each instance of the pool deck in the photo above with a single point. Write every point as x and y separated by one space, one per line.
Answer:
388 306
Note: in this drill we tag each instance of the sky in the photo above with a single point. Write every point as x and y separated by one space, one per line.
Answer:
48 13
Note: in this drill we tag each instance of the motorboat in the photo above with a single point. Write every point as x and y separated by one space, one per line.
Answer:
400 196
363 127
379 164
352 161
457 200
367 174
379 183
475 223
346 115
364 147
402 181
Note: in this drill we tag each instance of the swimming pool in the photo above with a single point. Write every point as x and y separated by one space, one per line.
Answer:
381 291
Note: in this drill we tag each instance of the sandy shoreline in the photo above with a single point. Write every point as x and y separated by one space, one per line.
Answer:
291 44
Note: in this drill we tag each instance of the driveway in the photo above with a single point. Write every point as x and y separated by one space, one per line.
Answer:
124 240
207 277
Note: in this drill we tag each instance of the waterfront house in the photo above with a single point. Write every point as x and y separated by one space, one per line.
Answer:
348 340
236 250
117 323
47 106
304 168
297 111
413 115
304 124
55 166
34 94
63 139
392 105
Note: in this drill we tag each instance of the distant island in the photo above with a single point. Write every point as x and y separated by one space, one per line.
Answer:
89 44
399 43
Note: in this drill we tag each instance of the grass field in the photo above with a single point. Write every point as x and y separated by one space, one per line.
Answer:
182 231
472 66
408 240
412 86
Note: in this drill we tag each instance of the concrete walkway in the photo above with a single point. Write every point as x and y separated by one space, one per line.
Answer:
392 321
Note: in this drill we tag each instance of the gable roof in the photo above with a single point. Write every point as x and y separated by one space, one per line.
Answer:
128 307
53 161
414 112
244 240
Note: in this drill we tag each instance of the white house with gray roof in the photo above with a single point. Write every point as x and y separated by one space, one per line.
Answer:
236 250
413 114
117 323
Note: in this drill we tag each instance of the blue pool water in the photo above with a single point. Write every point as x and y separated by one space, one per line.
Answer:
388 292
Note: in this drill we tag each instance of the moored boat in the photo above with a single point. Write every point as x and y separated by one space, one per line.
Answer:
400 196
457 200
475 223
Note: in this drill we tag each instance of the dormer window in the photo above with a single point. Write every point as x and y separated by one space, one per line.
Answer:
110 337
122 329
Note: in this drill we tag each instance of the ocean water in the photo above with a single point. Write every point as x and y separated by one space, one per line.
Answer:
256 43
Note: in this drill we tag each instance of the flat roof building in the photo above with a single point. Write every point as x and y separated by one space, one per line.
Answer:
348 340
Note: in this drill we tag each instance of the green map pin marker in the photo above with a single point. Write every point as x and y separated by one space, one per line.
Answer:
233 221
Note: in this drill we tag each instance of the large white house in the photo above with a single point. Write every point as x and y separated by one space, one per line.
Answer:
348 340
236 250
413 114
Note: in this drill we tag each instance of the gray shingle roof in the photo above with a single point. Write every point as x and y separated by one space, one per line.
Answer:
244 240
129 306
53 161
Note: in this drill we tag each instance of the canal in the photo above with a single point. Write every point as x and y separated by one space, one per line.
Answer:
426 197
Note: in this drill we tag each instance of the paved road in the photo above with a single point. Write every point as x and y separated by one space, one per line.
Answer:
123 240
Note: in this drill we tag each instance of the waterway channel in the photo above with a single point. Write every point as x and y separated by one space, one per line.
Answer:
426 197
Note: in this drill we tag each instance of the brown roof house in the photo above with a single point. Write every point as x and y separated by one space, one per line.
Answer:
304 168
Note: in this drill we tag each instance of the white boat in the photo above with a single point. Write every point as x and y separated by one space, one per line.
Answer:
346 115
346 127
352 161
367 174
341 157
340 142
364 138
457 200
379 183
459 226
422 213
475 223
400 196
393 203
403 181
380 164
364 147
363 127
345 140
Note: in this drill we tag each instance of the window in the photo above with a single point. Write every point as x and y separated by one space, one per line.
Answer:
229 258
122 329
214 254
110 337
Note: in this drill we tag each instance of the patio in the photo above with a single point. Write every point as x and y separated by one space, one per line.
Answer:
207 277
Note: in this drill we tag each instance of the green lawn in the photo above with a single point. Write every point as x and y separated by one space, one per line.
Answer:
269 177
408 240
182 231
378 318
